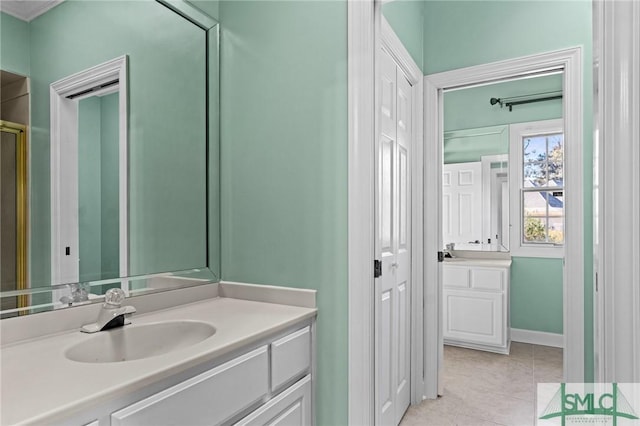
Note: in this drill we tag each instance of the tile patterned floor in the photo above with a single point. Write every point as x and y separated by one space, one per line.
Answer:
483 388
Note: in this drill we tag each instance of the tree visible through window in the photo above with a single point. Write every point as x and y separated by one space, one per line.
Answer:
542 193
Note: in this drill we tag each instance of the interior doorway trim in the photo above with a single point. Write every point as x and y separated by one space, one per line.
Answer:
365 34
617 190
64 150
361 157
570 61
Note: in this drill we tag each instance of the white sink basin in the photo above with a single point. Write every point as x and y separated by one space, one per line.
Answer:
139 341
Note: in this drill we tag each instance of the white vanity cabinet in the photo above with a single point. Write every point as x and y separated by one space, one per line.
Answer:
270 384
476 305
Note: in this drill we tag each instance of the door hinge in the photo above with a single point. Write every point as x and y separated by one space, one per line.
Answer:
596 282
377 268
440 256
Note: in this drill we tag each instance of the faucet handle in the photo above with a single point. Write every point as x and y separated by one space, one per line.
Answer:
114 297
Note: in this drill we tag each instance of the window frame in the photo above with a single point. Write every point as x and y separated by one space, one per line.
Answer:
517 132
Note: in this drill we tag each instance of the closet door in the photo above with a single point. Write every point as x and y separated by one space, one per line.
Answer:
393 242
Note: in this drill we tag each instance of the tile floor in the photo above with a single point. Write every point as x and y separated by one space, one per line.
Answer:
483 388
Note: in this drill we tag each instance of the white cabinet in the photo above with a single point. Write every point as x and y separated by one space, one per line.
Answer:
291 408
476 307
211 397
267 385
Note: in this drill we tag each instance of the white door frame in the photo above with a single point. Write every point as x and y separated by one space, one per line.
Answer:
64 142
367 32
570 60
616 191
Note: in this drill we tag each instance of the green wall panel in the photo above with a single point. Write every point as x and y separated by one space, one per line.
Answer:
464 146
89 189
464 33
284 164
406 17
470 108
14 45
536 294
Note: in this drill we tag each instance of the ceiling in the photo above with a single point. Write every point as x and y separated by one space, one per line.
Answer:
27 9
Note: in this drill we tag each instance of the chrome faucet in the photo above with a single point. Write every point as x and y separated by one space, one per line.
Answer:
112 313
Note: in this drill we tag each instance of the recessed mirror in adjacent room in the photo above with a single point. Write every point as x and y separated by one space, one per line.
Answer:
478 191
120 171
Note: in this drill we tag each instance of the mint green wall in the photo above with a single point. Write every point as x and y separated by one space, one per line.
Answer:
284 164
464 33
406 17
536 294
469 145
14 45
210 7
89 189
166 150
110 189
470 108
98 187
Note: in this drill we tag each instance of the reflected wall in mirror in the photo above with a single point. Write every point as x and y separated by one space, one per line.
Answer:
476 184
163 205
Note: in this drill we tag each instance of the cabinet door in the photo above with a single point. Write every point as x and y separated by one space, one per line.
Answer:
291 408
474 316
209 398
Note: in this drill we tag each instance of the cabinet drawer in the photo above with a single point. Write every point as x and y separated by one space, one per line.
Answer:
211 397
290 357
291 407
455 276
487 279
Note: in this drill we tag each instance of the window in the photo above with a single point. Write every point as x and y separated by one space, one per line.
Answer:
537 193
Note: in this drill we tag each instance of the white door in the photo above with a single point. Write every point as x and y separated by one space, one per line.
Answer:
462 204
393 245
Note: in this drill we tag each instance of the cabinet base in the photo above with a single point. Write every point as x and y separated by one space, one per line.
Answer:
504 350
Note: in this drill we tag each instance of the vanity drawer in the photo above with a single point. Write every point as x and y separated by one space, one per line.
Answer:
487 279
290 357
211 397
455 276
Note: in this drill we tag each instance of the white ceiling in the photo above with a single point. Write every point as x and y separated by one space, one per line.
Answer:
27 9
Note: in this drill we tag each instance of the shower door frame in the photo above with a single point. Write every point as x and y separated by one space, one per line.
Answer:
22 152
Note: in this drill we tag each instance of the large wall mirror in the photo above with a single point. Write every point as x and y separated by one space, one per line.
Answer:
109 150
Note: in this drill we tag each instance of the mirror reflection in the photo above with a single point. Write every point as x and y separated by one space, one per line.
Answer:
120 188
479 125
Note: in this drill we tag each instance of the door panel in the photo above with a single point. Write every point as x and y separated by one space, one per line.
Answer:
393 242
462 203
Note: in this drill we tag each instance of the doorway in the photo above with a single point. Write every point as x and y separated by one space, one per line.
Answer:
569 62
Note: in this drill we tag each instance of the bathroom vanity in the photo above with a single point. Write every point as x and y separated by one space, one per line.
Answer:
476 303
243 355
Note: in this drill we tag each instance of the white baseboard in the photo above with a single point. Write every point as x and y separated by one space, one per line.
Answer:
537 337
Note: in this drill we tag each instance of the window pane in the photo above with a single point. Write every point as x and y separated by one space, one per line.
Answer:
556 160
556 229
534 148
535 229
535 174
556 147
543 217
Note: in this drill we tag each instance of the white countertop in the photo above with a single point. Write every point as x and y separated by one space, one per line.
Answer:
39 383
490 263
